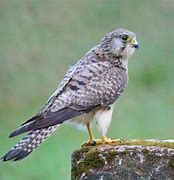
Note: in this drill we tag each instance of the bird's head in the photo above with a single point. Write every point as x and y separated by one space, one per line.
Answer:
120 42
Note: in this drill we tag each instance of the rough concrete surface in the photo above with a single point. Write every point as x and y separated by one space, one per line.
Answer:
133 162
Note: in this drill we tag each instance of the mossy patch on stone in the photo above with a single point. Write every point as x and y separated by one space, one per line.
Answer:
90 158
78 170
93 159
81 151
110 155
171 162
139 142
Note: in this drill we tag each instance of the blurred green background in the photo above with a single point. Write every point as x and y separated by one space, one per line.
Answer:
40 39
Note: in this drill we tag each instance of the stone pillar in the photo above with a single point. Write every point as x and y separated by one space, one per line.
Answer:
132 160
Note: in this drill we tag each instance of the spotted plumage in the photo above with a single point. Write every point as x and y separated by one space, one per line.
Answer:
29 142
88 91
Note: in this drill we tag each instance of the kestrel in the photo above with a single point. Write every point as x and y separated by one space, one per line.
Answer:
88 91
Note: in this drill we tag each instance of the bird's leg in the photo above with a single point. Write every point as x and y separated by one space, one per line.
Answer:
91 136
91 140
103 140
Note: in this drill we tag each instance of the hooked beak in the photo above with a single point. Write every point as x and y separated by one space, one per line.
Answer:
134 43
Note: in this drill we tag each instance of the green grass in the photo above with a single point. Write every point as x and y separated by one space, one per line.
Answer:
40 39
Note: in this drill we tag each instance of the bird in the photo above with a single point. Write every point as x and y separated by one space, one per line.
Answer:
88 92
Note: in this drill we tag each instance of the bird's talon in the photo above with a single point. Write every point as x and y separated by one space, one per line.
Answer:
89 143
119 140
93 143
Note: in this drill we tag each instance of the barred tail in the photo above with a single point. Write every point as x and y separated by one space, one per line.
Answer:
28 144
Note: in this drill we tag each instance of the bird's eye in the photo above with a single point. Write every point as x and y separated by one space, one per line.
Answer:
125 37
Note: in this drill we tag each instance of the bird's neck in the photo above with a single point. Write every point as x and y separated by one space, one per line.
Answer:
119 62
103 54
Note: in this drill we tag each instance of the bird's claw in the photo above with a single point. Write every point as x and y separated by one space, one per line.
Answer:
89 143
102 141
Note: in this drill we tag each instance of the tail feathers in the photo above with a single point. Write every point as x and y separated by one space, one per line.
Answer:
28 144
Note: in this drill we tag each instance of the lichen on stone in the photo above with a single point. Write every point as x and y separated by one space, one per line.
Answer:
93 159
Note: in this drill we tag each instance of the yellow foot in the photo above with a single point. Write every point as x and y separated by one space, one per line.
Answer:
103 140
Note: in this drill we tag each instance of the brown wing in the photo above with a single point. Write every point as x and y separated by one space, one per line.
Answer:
94 84
49 119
